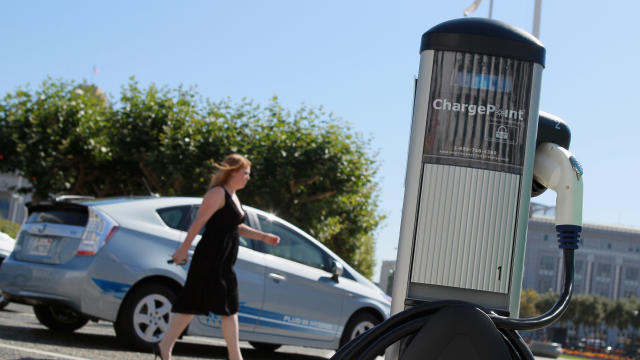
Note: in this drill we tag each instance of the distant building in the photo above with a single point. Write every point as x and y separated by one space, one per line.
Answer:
606 264
11 203
386 272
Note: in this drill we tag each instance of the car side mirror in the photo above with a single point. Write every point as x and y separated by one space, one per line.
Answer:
336 270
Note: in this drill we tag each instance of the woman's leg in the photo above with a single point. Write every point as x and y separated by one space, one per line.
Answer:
230 332
177 325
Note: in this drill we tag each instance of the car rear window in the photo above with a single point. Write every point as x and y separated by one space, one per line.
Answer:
176 217
64 217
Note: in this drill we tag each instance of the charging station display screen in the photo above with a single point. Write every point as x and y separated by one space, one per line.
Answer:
484 81
478 111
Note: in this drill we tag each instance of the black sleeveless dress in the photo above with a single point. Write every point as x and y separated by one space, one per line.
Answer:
211 284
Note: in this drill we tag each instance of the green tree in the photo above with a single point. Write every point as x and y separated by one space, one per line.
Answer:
51 135
619 314
309 167
153 143
545 302
573 314
528 299
10 228
634 315
592 311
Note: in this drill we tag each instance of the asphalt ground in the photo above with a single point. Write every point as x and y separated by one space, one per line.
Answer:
22 337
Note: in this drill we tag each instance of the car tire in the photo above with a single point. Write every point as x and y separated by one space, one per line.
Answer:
264 347
145 315
59 318
3 302
357 325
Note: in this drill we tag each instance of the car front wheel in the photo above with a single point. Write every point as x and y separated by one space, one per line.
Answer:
145 315
264 347
59 318
358 325
3 302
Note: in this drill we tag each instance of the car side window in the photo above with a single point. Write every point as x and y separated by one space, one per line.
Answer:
244 242
293 246
175 217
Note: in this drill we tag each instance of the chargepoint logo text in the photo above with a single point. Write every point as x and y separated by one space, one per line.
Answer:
472 109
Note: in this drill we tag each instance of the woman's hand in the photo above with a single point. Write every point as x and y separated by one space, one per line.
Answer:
181 256
271 239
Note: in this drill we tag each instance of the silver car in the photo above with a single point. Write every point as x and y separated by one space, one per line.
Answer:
6 247
545 348
80 260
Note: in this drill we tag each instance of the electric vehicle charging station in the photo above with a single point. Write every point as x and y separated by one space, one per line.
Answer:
476 156
470 166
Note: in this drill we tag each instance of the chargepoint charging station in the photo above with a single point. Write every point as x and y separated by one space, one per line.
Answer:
476 157
470 166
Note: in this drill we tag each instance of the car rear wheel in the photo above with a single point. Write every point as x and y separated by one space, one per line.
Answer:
358 325
264 347
59 318
145 315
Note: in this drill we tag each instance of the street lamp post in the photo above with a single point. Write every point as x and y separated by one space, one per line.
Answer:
537 9
536 18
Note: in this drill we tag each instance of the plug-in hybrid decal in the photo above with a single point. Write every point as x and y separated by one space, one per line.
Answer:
117 290
246 315
253 316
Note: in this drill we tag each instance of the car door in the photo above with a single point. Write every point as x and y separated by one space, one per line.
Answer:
249 270
301 299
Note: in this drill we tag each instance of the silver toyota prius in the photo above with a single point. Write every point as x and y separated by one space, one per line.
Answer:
79 260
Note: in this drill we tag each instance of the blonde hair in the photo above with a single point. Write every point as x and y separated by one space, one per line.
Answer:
230 164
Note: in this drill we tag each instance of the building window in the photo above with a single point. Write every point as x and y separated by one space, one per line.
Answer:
578 280
546 273
545 284
4 208
602 280
630 282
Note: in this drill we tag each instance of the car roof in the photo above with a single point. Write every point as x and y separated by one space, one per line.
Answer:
167 201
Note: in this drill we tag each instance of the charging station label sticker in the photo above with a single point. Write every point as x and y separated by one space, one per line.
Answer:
478 111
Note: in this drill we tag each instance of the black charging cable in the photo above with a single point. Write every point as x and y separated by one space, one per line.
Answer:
409 322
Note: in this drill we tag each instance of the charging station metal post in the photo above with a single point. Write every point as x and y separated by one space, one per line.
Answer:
470 166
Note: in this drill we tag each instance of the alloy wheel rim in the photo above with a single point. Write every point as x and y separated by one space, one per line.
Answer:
151 317
361 328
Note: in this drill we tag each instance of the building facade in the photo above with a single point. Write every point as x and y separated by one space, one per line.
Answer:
386 276
11 203
607 262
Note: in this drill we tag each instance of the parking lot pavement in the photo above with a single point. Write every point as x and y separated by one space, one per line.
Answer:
23 337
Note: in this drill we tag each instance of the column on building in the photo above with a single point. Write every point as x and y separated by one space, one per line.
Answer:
616 282
560 271
587 278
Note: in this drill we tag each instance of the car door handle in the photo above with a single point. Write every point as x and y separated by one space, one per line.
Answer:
277 278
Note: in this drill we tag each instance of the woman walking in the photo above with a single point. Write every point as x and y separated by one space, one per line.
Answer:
211 285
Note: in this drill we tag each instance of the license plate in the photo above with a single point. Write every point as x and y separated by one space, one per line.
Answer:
40 246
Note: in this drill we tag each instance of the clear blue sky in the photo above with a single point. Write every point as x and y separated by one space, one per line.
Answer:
358 59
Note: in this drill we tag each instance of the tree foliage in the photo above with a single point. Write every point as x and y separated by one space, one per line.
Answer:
590 311
309 167
8 227
528 300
